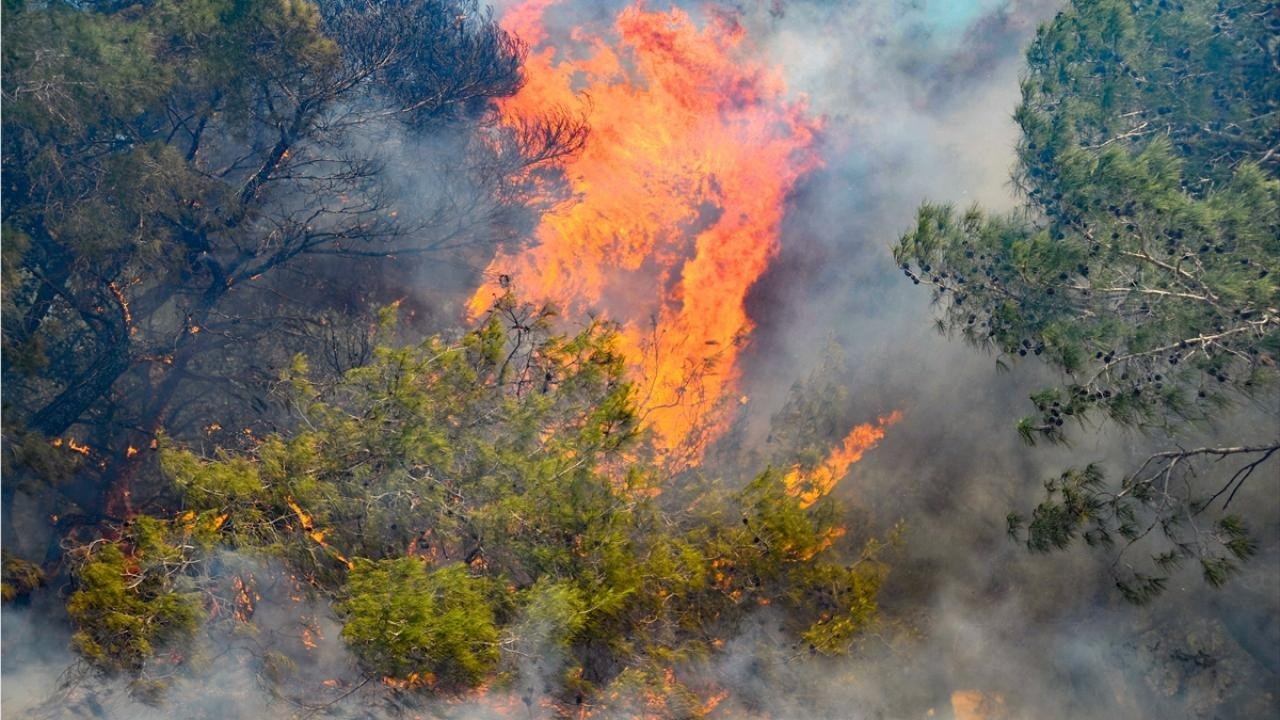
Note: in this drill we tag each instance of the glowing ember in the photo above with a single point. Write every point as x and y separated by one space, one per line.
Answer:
70 444
309 527
815 484
413 681
677 201
243 598
309 637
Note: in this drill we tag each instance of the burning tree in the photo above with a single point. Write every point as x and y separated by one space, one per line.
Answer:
467 505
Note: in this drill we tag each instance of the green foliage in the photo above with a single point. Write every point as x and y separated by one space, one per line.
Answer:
19 576
128 606
407 622
495 493
164 160
1145 263
813 416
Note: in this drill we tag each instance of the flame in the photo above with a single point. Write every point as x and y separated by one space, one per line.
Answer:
216 522
412 681
243 597
124 306
712 702
809 486
70 444
309 527
678 197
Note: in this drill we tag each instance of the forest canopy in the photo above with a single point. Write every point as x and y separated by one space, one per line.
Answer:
461 503
1144 266
255 430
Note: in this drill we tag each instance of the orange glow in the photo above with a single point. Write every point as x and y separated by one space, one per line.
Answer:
242 602
977 705
310 529
124 306
809 486
70 444
130 451
412 681
677 201
713 701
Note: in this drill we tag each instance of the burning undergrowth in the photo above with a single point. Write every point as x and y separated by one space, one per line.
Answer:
483 524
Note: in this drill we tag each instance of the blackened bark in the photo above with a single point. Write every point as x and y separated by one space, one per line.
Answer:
54 419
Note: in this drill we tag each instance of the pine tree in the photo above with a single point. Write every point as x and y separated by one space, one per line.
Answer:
1143 265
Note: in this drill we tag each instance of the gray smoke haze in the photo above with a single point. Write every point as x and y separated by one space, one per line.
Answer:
918 96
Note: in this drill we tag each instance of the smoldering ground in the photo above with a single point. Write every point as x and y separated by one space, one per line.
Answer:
918 97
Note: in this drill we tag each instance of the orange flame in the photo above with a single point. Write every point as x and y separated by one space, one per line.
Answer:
242 598
216 522
809 486
678 198
309 527
412 681
309 637
71 445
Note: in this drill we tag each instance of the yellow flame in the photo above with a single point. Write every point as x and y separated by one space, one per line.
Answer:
810 486
308 526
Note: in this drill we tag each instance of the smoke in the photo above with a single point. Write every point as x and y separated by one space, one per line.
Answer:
917 97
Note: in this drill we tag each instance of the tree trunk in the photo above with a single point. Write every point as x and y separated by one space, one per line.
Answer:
54 419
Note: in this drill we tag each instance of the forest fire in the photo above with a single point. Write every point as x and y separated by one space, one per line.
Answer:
677 201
